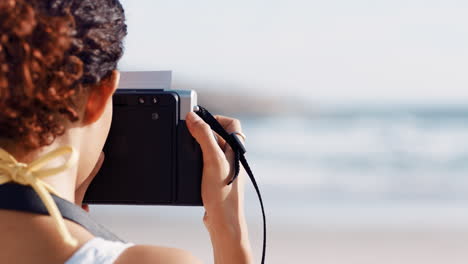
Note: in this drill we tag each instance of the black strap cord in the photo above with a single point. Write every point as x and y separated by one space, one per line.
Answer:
23 198
239 151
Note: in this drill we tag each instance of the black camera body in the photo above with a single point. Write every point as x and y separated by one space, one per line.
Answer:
150 156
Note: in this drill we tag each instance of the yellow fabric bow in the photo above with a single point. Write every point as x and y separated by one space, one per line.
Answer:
31 174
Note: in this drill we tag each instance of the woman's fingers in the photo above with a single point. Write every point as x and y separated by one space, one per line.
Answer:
230 124
221 142
202 132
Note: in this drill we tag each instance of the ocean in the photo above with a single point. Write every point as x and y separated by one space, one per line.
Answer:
340 185
359 153
387 158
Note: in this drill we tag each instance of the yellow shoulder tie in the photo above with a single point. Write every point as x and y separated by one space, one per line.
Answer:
31 174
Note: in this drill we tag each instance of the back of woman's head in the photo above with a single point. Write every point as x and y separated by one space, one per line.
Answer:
51 53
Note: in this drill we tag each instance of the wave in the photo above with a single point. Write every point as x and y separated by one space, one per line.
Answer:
394 155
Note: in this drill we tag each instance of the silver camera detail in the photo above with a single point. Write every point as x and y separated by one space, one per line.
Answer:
159 80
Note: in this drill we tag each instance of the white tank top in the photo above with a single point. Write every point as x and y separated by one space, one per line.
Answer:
98 251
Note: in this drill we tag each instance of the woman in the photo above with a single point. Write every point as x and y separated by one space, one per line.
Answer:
58 62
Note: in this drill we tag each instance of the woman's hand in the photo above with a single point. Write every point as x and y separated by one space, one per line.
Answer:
81 190
220 200
224 204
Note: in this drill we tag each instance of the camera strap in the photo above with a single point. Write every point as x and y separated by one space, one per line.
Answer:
23 198
239 151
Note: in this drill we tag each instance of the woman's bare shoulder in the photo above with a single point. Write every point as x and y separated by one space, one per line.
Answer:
155 254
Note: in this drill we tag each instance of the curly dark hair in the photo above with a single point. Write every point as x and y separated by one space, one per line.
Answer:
51 53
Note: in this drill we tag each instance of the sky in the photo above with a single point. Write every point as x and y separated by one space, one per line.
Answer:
398 51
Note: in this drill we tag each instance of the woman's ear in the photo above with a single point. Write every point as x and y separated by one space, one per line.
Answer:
98 97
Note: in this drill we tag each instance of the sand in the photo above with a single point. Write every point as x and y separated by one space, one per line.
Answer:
294 243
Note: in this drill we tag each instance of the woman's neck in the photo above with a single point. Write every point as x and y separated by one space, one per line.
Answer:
63 183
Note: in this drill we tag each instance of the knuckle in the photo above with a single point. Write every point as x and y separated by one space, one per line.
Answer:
205 127
221 118
200 125
236 123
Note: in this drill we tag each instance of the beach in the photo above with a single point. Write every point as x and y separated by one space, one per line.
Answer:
385 185
326 239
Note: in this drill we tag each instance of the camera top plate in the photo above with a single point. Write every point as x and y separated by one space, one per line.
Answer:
160 80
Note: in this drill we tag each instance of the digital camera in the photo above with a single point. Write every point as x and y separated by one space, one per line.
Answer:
150 156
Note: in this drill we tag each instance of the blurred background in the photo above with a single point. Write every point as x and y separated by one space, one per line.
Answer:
356 115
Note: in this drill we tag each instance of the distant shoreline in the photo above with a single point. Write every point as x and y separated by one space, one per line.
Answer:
226 102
